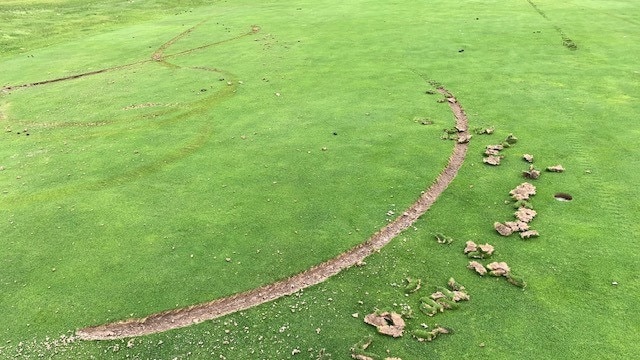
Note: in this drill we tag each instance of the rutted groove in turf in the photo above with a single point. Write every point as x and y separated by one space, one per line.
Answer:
203 134
158 55
566 40
183 317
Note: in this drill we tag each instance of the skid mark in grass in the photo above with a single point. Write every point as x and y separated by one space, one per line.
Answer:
158 55
173 319
566 40
167 116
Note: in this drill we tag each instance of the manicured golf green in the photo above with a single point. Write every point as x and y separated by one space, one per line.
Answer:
270 137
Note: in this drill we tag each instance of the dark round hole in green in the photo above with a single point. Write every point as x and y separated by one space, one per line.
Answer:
563 197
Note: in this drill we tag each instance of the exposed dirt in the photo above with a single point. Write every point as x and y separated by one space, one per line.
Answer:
390 324
183 317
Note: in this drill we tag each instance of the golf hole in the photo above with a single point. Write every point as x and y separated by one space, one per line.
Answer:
563 197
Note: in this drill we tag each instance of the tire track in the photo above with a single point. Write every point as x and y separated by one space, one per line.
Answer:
204 133
566 40
178 318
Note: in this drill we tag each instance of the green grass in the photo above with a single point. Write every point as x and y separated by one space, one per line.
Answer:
137 209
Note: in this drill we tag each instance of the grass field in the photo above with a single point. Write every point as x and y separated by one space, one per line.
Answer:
277 135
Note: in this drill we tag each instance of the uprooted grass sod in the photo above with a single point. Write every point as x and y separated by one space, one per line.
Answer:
166 184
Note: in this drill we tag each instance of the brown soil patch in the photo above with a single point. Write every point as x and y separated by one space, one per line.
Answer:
477 267
390 324
173 319
498 268
492 160
523 191
525 215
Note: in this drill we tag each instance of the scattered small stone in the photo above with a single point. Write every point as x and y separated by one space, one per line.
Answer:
528 158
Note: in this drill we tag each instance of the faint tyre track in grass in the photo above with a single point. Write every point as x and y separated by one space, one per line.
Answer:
566 41
197 108
183 317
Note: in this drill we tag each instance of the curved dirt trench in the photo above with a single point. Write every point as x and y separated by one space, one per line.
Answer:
178 318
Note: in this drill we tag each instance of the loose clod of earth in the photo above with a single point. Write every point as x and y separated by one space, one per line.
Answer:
474 251
443 298
423 120
525 214
532 173
555 168
528 158
492 154
443 239
454 285
463 139
424 335
387 323
502 229
358 351
492 160
498 268
523 191
477 267
517 226
510 139
529 234
484 131
412 285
